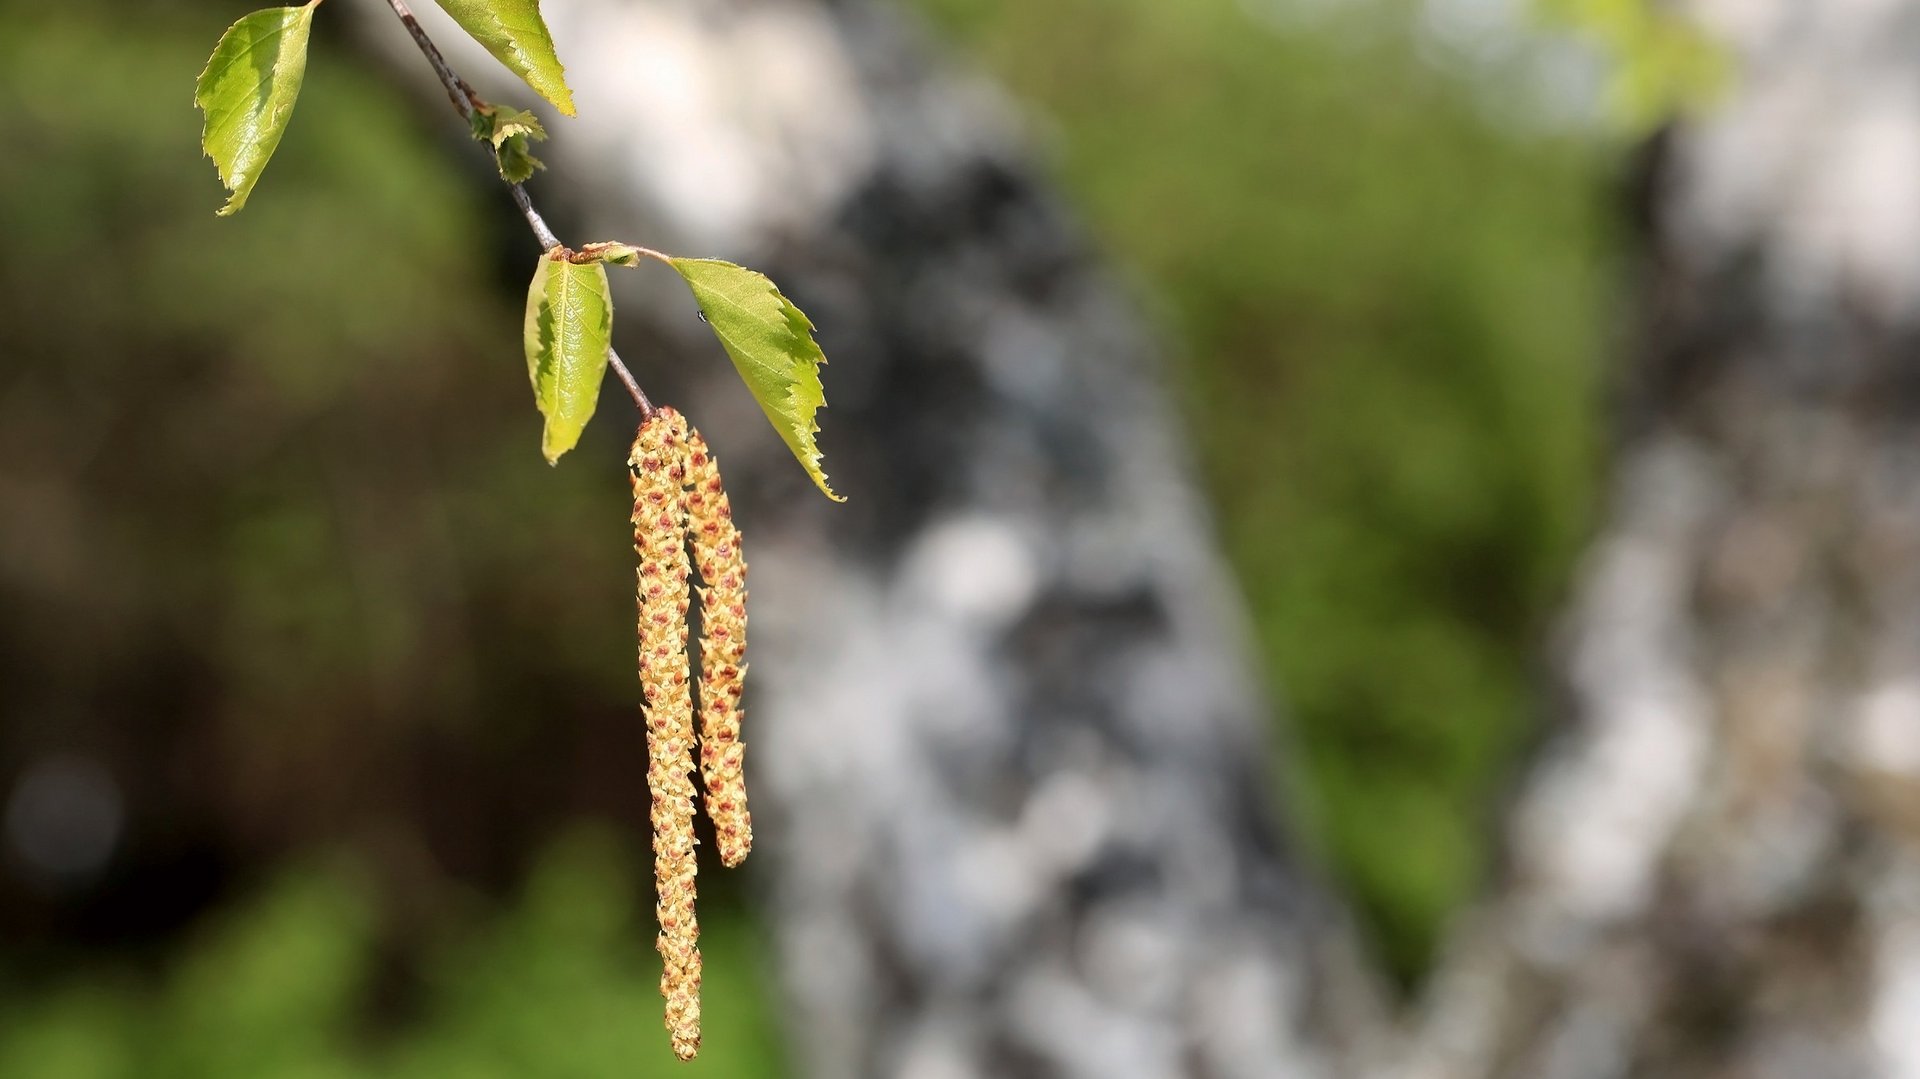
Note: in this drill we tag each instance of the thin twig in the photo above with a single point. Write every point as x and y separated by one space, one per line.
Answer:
461 94
548 241
465 102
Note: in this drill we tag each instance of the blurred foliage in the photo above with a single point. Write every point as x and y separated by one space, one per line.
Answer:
278 468
563 986
1389 306
1662 63
268 550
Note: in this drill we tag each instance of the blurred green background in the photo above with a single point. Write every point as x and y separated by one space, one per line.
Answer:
1385 286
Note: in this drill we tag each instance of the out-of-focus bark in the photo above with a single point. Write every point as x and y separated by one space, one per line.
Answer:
1006 757
1712 872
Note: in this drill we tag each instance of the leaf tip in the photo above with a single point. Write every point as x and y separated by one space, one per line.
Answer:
555 88
819 475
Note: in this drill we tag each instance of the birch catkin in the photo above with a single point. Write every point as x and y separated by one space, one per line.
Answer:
723 649
659 467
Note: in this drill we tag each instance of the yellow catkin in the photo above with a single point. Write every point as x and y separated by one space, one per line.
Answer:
659 467
723 650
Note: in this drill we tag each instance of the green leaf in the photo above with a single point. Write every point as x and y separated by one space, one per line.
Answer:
506 122
569 331
248 91
510 132
516 35
772 346
515 162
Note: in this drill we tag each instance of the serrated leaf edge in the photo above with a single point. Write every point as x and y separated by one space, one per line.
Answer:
811 459
237 199
526 66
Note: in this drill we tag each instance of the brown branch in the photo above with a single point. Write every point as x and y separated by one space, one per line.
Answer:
465 102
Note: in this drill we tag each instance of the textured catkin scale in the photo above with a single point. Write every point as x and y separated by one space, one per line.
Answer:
659 468
723 650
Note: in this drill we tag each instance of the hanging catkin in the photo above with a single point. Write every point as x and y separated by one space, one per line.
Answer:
723 650
659 467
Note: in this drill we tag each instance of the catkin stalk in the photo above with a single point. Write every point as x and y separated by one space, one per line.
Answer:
723 650
659 467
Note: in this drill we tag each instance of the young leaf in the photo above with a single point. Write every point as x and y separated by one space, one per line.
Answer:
516 35
772 346
614 254
510 131
248 91
515 162
569 331
505 122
